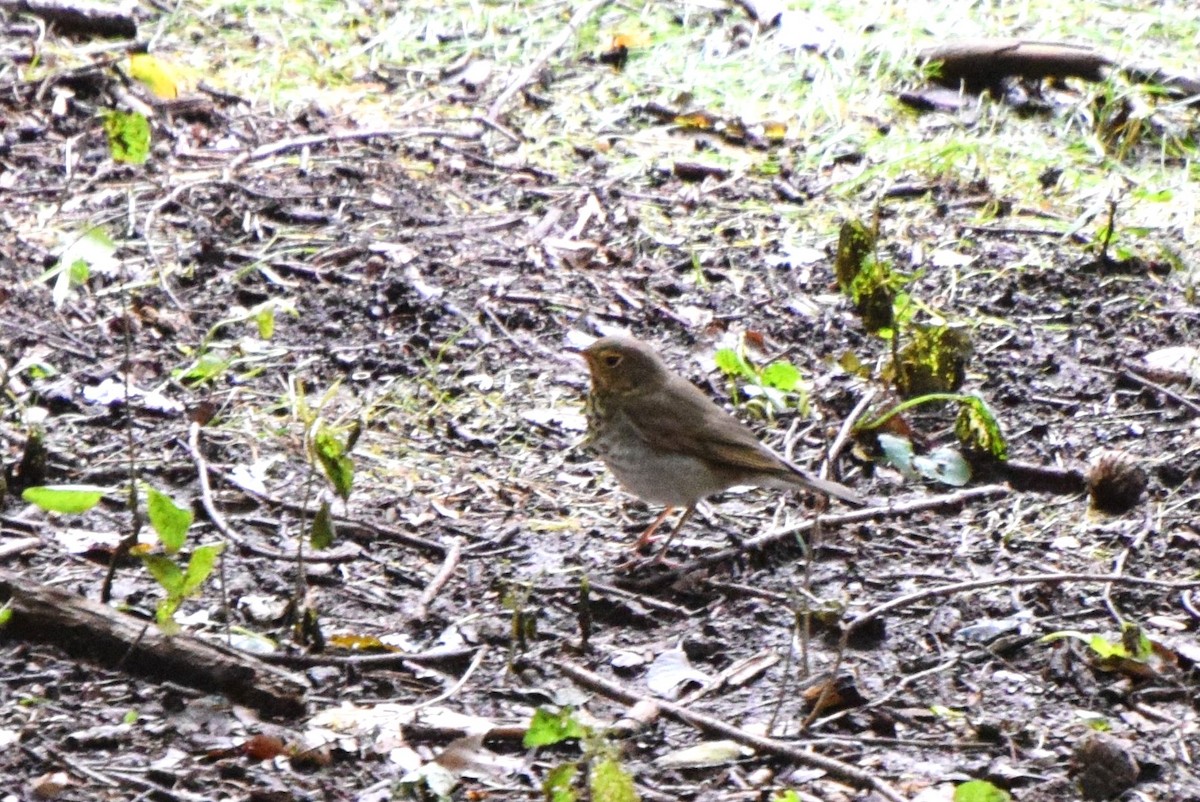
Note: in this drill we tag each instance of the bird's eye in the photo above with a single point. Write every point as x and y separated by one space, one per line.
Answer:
612 360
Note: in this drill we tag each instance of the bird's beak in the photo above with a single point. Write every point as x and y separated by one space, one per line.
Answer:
579 352
576 352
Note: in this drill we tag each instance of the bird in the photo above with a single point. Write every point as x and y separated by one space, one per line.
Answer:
668 443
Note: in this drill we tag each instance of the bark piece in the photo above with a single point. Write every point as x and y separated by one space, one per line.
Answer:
80 17
1105 766
89 630
985 63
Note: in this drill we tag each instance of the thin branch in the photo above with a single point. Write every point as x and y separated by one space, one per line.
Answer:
533 67
206 497
835 768
892 510
847 429
1007 581
1133 377
368 661
453 555
300 142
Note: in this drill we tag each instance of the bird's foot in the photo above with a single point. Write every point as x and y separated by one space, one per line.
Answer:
639 562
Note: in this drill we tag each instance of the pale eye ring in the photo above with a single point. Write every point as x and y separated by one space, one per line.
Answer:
612 360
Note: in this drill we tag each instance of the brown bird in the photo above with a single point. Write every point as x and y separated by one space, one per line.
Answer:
668 443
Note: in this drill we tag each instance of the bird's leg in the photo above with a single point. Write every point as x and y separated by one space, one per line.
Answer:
683 519
644 540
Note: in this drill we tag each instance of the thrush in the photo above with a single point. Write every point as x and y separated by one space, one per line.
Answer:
668 443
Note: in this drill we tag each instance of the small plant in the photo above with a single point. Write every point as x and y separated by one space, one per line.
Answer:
771 388
934 360
79 257
607 779
873 286
128 136
169 521
980 791
327 448
213 358
1133 646
976 428
523 626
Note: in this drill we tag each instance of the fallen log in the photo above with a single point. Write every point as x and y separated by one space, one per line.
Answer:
978 64
80 17
91 631
985 63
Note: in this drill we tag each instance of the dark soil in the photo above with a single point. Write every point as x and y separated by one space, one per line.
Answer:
435 290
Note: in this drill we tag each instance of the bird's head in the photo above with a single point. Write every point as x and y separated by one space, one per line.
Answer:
621 365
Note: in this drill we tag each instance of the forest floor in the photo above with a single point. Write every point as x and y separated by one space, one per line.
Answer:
407 259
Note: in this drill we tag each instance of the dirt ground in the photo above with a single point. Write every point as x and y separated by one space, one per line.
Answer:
436 284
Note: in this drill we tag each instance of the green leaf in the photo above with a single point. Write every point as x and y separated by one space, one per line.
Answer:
166 572
6 614
264 318
781 375
944 465
338 467
731 363
322 534
558 782
1154 196
79 256
207 366
898 452
547 728
980 791
69 499
977 429
934 360
1102 646
610 782
856 246
170 521
79 272
128 136
1105 648
786 796
199 567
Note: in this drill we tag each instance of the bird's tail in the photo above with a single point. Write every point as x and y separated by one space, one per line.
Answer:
826 486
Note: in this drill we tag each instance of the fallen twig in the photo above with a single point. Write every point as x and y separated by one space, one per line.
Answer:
299 142
369 661
526 74
15 547
893 510
835 768
847 430
344 523
1007 581
449 563
1133 377
206 499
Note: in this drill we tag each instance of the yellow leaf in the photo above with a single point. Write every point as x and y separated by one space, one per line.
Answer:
631 39
701 120
774 131
162 78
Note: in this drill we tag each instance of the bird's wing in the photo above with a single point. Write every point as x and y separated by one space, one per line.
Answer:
691 424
